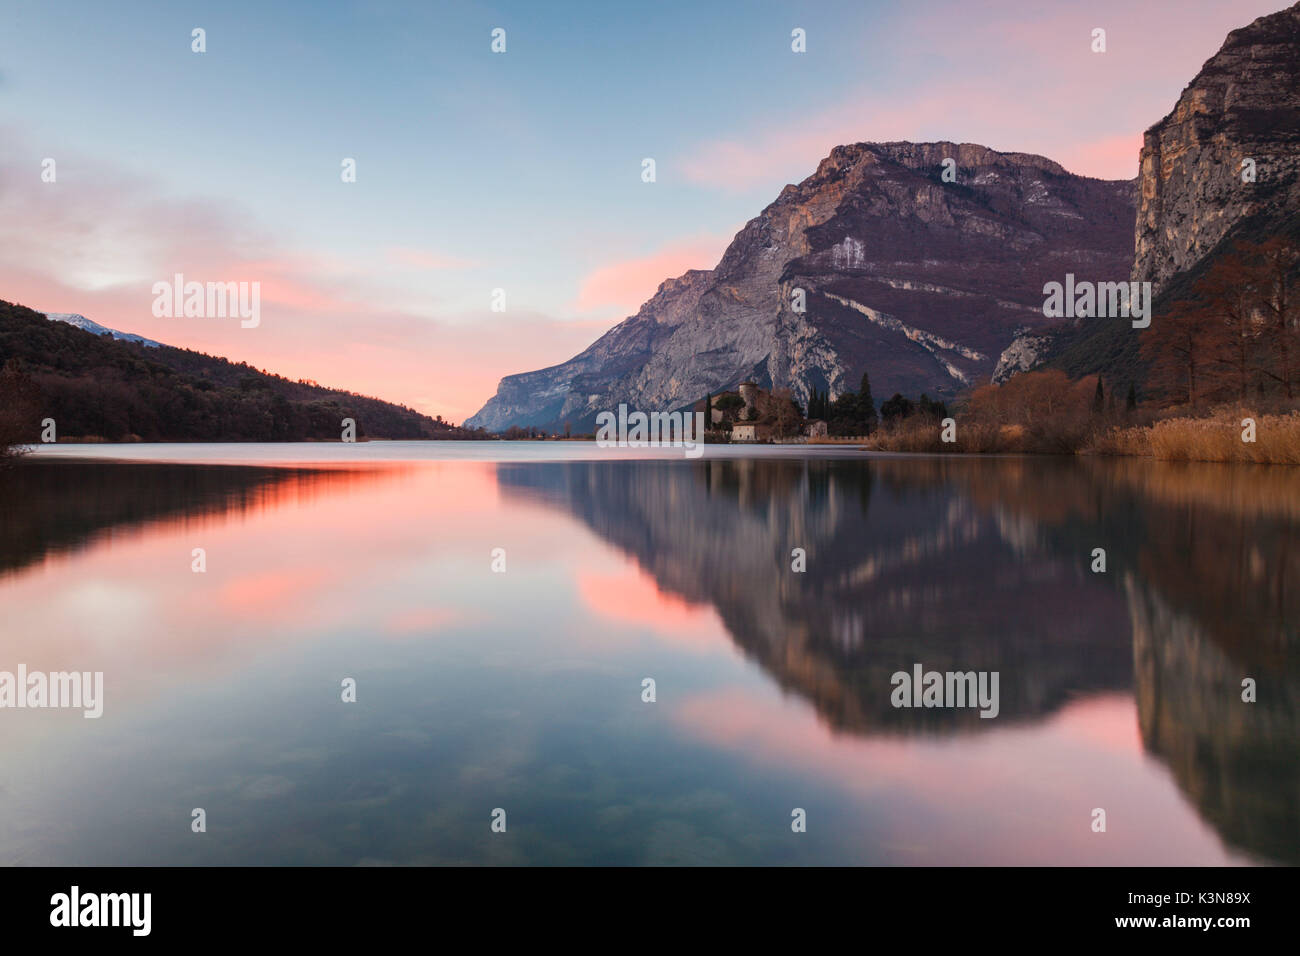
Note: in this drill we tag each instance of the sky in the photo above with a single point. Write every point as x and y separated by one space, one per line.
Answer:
518 171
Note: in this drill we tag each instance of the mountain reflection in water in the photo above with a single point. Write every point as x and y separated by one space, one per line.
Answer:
984 565
1120 689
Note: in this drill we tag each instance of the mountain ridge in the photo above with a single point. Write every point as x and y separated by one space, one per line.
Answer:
1195 203
79 321
95 386
919 280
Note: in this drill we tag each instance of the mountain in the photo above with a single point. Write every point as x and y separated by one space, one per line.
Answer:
81 322
1244 104
48 508
919 281
716 534
96 386
921 543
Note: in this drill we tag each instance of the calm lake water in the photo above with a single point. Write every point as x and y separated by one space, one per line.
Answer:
522 690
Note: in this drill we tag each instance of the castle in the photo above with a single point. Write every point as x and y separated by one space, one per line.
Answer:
753 414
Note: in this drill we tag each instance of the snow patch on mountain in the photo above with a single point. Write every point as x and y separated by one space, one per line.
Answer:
81 322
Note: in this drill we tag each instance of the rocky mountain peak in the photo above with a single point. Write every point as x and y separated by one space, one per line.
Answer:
875 262
1222 166
1227 154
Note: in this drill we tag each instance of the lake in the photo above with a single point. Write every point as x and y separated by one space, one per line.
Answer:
513 680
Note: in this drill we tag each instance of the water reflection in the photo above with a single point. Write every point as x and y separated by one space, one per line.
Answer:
905 566
985 565
49 508
522 689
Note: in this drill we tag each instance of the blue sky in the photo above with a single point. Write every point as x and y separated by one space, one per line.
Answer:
518 170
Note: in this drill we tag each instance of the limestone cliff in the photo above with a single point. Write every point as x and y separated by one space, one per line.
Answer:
920 281
1242 107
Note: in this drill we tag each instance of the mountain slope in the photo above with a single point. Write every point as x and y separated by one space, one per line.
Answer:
920 281
1194 205
96 386
1244 104
81 322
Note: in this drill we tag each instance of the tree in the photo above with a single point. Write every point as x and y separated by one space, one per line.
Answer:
97 386
19 405
1049 412
1181 348
1231 289
1279 262
931 408
1239 324
895 409
1131 402
1032 399
1099 399
867 405
785 413
819 404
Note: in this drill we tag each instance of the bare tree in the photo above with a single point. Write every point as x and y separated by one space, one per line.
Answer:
1280 264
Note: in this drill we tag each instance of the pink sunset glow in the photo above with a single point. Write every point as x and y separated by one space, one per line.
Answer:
627 283
1081 749
409 321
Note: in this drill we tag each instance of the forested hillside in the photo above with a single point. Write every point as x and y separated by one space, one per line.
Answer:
96 387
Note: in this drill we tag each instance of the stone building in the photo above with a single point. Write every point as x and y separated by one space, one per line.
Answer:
750 431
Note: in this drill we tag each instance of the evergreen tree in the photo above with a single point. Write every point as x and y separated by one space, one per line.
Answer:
896 408
867 405
1131 402
1098 399
931 408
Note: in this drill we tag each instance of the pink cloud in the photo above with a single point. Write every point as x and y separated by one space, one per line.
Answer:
980 803
631 597
95 243
626 284
1114 157
1015 79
